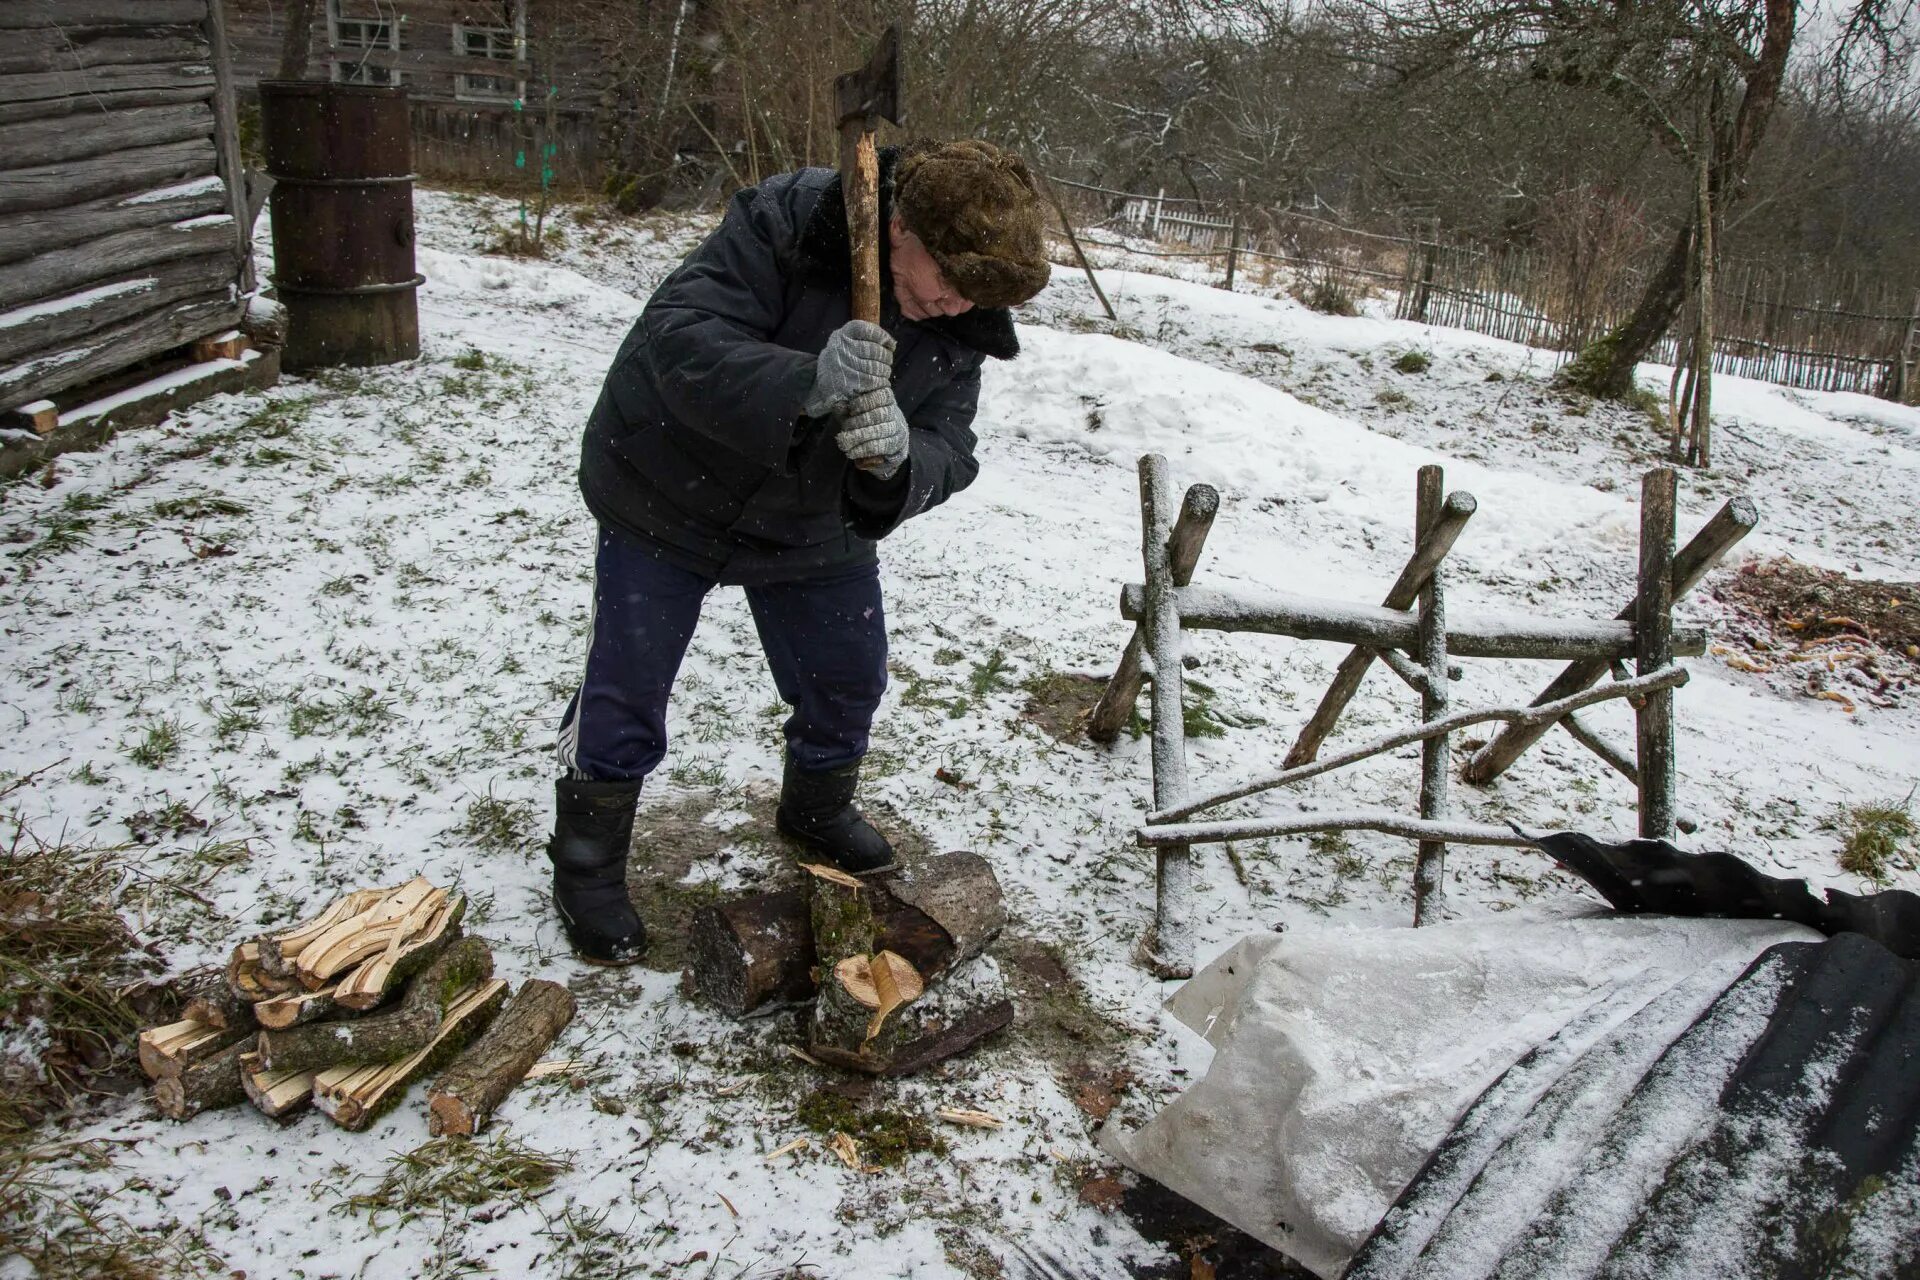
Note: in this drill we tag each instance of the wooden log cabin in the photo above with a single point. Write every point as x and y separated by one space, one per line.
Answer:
126 269
488 81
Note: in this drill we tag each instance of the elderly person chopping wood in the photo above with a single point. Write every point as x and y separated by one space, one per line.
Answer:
751 434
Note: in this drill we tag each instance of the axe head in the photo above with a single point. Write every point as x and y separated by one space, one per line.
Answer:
873 91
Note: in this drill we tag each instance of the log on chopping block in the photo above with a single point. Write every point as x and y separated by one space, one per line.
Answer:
355 1096
206 1085
383 1037
278 1094
166 1051
756 952
869 1017
464 1097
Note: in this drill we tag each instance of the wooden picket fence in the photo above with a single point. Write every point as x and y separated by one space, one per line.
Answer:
1855 335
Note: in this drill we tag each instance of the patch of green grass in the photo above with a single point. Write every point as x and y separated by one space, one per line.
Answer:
356 714
456 1173
947 656
62 533
157 745
1392 398
1878 838
1415 361
84 501
886 1137
989 675
498 826
472 359
197 508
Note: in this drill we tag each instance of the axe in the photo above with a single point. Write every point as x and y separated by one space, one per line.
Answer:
865 97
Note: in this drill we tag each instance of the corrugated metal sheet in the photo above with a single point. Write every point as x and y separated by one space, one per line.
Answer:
1778 1137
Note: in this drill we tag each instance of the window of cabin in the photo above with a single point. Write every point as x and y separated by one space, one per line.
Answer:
377 32
364 73
487 88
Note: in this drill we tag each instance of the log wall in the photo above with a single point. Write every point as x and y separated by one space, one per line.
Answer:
122 234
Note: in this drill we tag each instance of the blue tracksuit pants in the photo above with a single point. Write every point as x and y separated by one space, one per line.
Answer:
825 641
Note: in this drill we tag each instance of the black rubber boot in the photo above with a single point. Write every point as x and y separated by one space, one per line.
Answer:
817 810
592 831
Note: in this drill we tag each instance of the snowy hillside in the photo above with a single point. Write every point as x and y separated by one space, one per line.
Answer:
320 637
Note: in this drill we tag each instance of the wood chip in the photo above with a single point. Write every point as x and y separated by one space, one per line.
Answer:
842 1145
728 1090
798 1144
551 1067
723 1200
834 874
970 1119
804 1056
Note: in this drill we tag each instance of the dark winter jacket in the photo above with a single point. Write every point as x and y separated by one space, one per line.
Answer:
698 442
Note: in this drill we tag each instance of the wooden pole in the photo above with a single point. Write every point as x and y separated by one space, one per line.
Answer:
1429 549
1280 613
1066 225
1734 521
1197 510
1233 249
1653 650
1429 888
1170 947
1547 714
1700 442
1293 824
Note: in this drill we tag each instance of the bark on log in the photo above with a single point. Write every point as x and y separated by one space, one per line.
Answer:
464 1097
841 909
207 1085
211 1001
63 272
295 1009
757 950
59 186
30 14
945 1021
23 235
64 140
86 104
384 1037
354 1097
1197 512
41 327
119 347
41 85
1312 618
66 47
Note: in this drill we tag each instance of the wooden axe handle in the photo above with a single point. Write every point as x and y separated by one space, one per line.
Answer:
860 179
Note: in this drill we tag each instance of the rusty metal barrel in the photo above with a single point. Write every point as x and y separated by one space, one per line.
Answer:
341 160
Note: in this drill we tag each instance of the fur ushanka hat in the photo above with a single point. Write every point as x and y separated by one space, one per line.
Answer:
973 205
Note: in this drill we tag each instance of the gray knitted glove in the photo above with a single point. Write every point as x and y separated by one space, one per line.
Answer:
874 433
858 357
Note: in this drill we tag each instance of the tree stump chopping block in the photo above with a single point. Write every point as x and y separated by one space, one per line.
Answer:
860 1025
464 1097
757 952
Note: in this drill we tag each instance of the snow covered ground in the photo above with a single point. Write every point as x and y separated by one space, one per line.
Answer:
336 623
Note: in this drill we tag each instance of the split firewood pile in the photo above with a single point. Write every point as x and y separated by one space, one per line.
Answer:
1840 639
344 1011
892 964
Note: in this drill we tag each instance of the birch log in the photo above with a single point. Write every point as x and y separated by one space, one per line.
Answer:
408 1027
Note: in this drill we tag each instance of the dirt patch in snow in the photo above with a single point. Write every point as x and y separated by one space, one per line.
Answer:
1060 702
1801 605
